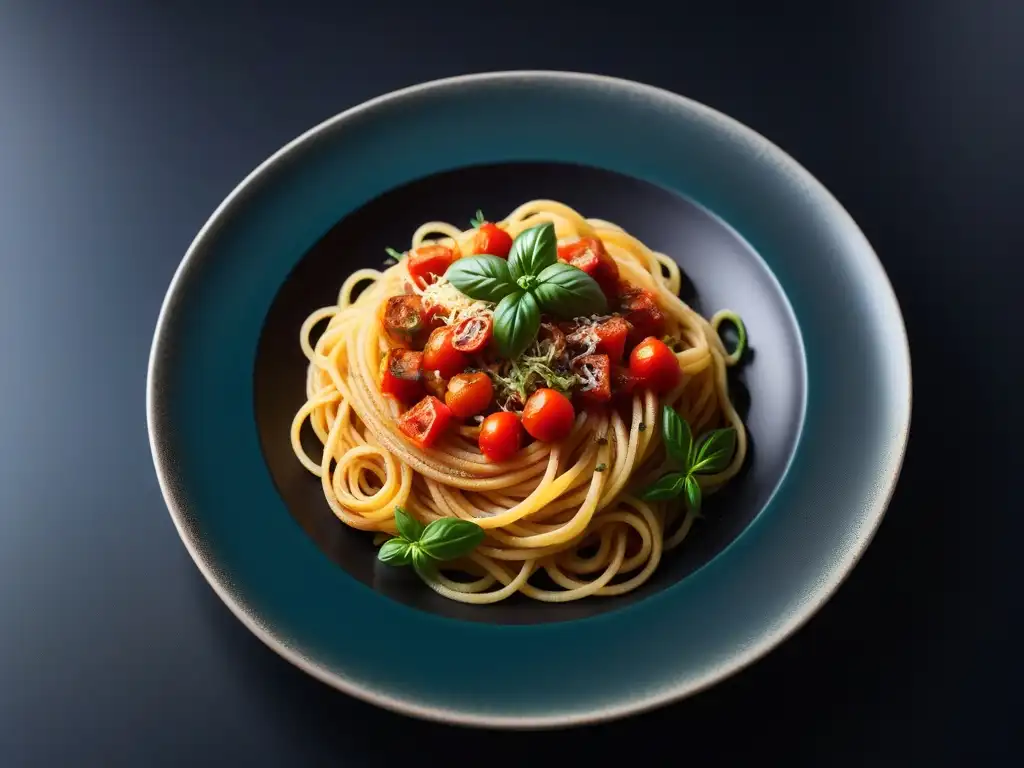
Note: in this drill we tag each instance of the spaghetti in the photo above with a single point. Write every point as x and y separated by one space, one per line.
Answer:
562 520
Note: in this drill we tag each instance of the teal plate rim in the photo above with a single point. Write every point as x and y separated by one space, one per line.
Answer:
746 601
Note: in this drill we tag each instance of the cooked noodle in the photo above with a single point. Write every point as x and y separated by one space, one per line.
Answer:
546 509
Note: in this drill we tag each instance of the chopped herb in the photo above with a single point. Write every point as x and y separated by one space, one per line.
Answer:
642 427
538 367
396 255
673 342
478 220
600 467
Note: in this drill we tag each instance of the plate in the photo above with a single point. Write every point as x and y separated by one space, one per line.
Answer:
825 394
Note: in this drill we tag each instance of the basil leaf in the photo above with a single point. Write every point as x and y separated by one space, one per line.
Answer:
481 277
516 322
675 432
533 250
395 552
692 494
667 487
450 537
425 566
715 451
409 528
567 292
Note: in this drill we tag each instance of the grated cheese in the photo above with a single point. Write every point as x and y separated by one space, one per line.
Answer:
456 305
587 377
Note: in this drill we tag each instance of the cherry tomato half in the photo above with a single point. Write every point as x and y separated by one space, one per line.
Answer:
473 333
469 394
428 262
548 415
589 254
501 435
490 238
426 421
654 365
402 375
440 354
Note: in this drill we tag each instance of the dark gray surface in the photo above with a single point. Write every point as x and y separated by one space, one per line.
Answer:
122 127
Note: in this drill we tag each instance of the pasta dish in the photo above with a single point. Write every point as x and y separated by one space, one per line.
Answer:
524 406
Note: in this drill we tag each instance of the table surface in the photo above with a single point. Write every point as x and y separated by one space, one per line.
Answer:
124 125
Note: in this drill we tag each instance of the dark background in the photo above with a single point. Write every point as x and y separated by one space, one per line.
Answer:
122 126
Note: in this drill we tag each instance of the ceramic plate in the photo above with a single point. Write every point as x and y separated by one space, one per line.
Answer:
825 394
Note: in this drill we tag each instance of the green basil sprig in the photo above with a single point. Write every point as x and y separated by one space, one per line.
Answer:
531 282
422 546
711 454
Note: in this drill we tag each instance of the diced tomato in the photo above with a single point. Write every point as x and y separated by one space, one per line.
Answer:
611 336
655 366
473 333
440 354
402 375
589 254
434 383
428 262
404 320
501 434
469 394
548 415
426 421
595 370
642 312
490 238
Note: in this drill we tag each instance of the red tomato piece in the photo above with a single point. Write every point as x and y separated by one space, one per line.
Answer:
595 371
441 355
589 254
404 320
548 415
500 437
434 317
473 333
402 375
428 262
469 394
655 366
426 421
492 239
612 336
643 313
